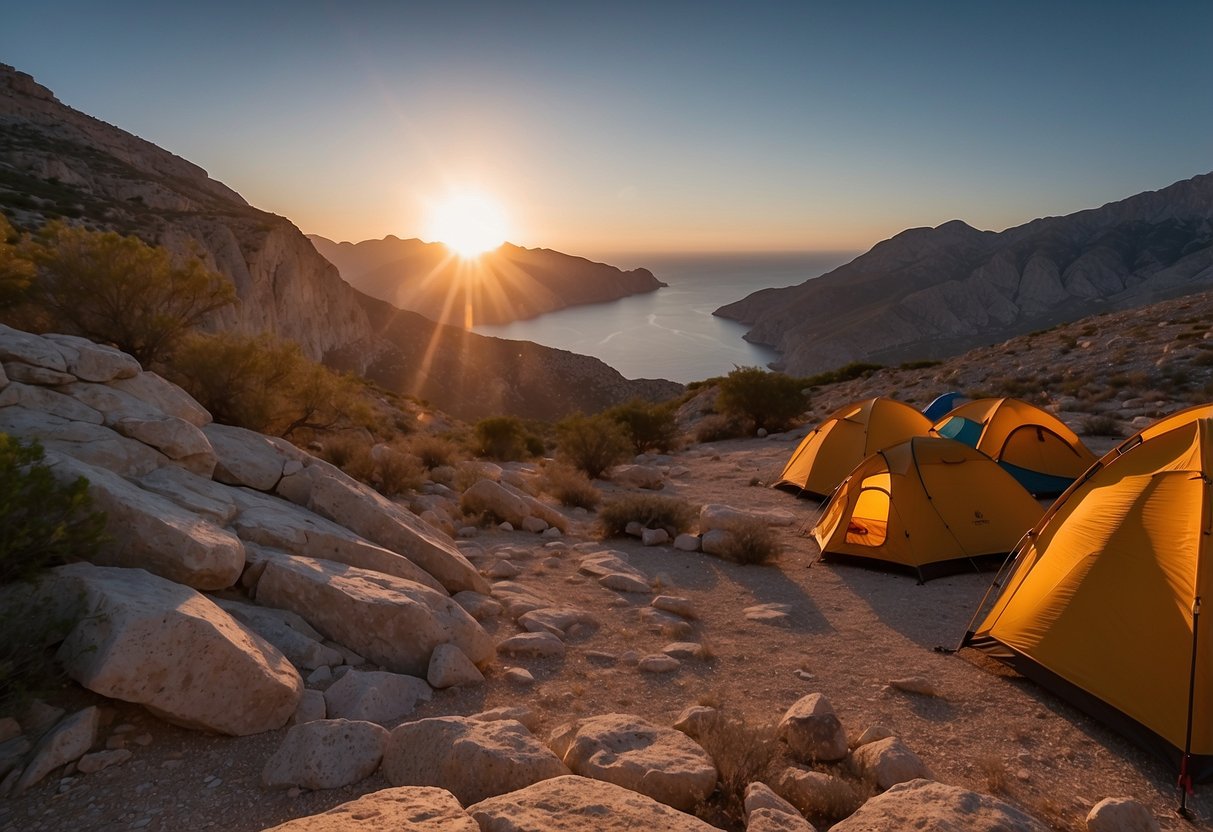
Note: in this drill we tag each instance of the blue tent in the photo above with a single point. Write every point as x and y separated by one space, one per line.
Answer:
937 409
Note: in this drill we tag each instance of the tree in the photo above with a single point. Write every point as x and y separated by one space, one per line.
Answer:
16 267
769 400
122 291
650 426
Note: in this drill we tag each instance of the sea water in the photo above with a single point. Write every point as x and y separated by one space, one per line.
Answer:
671 333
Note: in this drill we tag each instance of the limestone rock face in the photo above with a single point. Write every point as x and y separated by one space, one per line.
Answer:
325 754
923 804
146 640
660 762
577 804
405 809
394 622
472 759
812 730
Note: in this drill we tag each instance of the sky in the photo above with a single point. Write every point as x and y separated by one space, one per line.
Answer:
609 128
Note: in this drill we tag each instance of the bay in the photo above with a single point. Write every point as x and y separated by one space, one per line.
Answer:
671 333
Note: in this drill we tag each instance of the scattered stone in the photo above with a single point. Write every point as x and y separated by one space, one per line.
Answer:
502 569
803 675
1121 814
923 804
915 684
535 525
326 754
505 527
662 763
320 676
375 696
654 537
541 645
813 731
311 708
648 477
473 759
519 676
625 583
696 719
603 657
684 650
768 613
558 621
817 793
522 714
91 763
449 668
687 542
63 744
480 607
766 811
676 605
658 663
405 809
887 762
717 516
572 804
873 734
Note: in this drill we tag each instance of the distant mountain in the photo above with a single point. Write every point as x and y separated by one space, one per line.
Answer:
508 284
934 292
58 162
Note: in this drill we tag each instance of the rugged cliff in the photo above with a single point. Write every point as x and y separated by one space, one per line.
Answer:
932 292
508 284
58 162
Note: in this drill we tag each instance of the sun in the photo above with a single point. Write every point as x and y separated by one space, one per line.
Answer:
469 224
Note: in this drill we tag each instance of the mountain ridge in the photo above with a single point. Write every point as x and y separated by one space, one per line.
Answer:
932 292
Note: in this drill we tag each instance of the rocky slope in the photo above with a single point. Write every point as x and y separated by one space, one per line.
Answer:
508 284
58 162
933 292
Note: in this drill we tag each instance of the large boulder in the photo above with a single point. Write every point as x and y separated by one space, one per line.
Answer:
176 438
660 762
924 804
1121 814
142 639
578 804
394 622
375 696
472 759
718 516
885 763
813 731
329 492
294 637
93 362
148 531
510 504
244 457
405 809
325 754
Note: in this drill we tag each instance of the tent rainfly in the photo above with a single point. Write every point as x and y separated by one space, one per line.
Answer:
1102 602
941 405
1036 447
927 505
828 453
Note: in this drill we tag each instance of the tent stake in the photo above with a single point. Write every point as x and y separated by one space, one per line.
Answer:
1185 778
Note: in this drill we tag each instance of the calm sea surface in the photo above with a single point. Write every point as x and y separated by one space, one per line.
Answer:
671 333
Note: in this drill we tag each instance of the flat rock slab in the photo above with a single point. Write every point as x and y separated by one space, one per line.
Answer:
473 759
556 620
326 754
660 762
532 644
924 804
404 809
579 804
768 613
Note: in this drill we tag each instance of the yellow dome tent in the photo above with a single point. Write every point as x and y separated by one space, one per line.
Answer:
927 505
1033 445
829 452
1102 602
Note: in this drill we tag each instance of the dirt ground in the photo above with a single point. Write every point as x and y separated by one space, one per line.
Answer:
849 631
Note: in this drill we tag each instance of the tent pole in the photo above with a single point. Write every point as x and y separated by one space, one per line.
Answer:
1185 778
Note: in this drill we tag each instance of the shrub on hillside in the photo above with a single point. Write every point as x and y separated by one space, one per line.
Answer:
267 385
397 472
651 427
434 451
847 372
16 267
352 454
750 540
503 438
651 511
743 754
716 427
769 400
122 291
592 443
1101 424
571 487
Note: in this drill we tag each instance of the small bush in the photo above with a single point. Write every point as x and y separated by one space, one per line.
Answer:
743 754
1101 424
503 438
571 487
717 427
351 454
847 372
922 364
592 443
750 541
769 400
434 451
397 472
652 511
650 426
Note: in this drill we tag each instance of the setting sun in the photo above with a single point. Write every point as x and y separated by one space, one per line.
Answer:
467 223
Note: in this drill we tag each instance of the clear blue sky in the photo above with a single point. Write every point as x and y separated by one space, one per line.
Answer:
628 127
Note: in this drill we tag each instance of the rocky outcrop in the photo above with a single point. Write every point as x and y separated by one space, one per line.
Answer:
526 282
80 167
923 804
933 292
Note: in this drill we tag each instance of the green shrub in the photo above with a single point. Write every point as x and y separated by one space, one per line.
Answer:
397 472
769 400
503 438
434 451
652 511
571 487
750 541
847 372
592 443
650 426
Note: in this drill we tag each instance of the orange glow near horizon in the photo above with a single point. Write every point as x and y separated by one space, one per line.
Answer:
467 223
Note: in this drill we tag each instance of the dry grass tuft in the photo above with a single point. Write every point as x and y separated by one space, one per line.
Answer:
994 769
749 541
571 487
743 753
652 511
